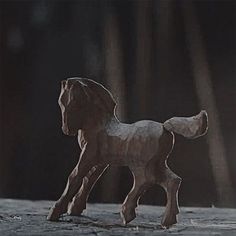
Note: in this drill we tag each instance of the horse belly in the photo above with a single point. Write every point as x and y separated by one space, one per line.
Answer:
135 151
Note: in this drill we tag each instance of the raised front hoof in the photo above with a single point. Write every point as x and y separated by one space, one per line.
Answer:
127 215
54 214
168 221
75 210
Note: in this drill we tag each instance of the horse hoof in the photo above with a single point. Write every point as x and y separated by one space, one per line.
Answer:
75 210
127 216
54 214
168 221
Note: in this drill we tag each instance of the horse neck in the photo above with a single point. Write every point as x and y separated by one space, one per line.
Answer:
96 122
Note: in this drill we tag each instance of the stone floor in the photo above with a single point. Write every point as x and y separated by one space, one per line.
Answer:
23 217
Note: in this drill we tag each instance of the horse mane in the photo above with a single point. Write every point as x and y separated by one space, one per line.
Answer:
100 94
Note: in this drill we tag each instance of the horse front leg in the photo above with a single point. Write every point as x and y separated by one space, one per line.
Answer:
140 185
73 184
79 201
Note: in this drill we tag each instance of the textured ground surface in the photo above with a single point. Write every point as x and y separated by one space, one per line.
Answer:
19 217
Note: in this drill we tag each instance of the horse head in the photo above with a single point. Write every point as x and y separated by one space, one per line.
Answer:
82 100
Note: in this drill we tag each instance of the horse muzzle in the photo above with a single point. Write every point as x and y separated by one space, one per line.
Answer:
68 132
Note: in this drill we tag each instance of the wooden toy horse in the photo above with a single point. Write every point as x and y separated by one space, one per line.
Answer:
88 110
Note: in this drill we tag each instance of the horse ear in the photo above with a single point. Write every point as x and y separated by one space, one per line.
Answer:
100 95
81 90
87 91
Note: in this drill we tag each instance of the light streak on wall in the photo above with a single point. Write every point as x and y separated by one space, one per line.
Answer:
204 89
114 77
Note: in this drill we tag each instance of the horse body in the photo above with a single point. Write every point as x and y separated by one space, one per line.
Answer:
144 146
126 144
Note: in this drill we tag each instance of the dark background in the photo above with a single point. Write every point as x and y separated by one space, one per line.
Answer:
141 50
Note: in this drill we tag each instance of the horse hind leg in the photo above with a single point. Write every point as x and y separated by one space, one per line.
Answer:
140 185
171 183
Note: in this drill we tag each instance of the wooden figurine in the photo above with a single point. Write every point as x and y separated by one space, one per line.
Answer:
88 110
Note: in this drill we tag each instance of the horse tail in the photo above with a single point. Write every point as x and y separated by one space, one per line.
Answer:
189 127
